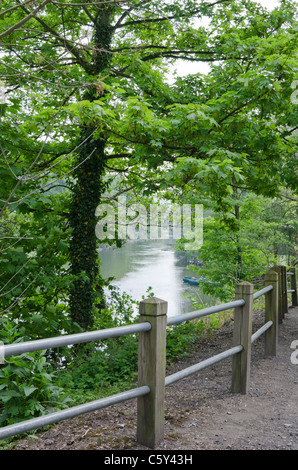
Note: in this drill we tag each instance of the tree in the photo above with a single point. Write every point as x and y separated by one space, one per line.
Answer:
88 96
266 235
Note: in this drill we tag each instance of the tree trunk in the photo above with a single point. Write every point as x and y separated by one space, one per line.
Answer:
87 192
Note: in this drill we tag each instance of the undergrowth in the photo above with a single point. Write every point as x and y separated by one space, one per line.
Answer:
37 383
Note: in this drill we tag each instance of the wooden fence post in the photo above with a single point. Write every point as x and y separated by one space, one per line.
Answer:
151 370
271 313
279 271
294 287
285 291
242 336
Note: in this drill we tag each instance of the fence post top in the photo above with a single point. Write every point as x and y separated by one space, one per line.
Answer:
245 287
271 275
277 267
153 306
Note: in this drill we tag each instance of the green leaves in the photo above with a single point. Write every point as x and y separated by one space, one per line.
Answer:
200 133
243 244
27 389
90 107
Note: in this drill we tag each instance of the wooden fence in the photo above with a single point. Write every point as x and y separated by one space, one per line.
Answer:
152 327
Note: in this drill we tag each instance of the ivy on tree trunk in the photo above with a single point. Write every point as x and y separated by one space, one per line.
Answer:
86 195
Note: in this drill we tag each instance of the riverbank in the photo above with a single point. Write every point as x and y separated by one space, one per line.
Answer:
201 412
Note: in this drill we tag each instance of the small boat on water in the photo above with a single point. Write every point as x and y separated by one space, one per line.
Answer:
193 280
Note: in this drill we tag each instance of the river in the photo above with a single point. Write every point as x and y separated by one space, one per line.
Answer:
140 264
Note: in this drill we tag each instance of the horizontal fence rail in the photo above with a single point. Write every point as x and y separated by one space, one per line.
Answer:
68 340
52 418
153 321
262 292
204 312
170 379
261 331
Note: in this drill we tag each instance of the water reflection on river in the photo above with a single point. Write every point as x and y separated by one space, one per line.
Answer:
140 264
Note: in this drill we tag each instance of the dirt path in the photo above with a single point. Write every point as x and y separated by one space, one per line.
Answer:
201 413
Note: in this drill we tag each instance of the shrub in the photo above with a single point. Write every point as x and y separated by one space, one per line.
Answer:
27 388
27 383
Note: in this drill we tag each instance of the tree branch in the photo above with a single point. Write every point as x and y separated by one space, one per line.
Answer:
73 50
167 18
13 8
24 20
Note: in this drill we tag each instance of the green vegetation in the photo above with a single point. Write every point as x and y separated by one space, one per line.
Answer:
38 383
92 107
266 235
